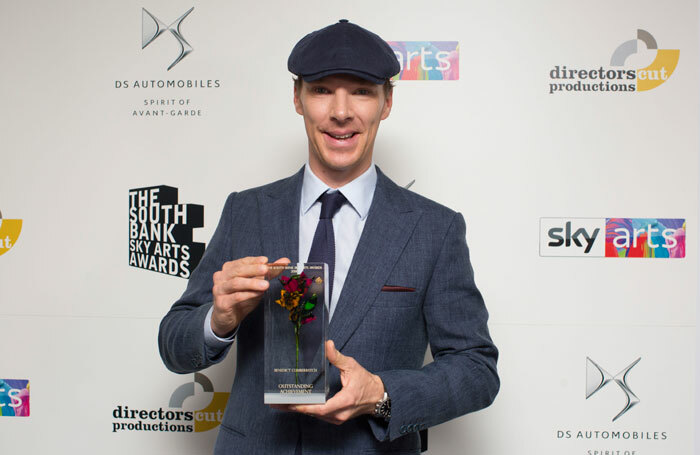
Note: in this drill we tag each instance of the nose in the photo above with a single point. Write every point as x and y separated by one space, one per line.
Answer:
341 107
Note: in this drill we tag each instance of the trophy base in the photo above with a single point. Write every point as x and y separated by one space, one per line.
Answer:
295 398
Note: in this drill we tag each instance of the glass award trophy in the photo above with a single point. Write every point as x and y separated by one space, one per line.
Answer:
296 324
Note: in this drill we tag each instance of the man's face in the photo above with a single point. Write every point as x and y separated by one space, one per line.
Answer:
341 115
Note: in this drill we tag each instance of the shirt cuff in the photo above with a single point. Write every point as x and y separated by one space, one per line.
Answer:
210 338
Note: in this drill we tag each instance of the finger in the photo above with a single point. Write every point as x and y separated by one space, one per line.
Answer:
335 411
240 284
281 407
232 270
315 410
276 268
342 362
229 301
248 260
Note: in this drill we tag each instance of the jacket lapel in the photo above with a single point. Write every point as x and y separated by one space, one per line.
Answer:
389 225
279 218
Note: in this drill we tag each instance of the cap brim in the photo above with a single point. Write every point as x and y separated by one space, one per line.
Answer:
360 74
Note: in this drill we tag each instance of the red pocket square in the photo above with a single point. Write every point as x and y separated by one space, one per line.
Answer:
386 288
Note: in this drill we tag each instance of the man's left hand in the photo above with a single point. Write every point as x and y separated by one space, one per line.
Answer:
360 393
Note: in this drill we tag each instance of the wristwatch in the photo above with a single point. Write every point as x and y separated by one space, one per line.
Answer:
382 410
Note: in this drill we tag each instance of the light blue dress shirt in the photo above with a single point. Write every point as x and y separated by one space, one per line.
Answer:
348 224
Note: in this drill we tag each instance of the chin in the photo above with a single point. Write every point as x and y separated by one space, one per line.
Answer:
342 165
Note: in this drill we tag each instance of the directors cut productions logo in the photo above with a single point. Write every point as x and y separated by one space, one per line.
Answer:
9 233
160 231
175 419
14 398
618 77
427 60
613 237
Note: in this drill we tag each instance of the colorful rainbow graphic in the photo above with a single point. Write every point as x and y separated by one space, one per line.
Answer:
14 397
645 238
427 60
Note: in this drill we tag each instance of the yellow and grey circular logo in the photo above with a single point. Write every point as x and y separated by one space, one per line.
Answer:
9 233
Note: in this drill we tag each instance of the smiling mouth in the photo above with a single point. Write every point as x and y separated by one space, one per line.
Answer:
341 136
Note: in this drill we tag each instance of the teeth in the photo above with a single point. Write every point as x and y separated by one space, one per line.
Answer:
346 136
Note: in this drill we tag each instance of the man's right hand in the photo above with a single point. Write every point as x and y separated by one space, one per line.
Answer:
237 290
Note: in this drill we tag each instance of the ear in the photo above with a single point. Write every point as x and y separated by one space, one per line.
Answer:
297 100
388 101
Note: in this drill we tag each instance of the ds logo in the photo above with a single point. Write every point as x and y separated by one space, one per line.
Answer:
623 237
14 398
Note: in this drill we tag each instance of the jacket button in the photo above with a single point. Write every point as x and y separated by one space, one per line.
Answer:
402 430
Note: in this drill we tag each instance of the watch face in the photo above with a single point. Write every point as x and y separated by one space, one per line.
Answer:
384 409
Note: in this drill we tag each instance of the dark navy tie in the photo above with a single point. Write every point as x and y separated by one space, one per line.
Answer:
322 250
323 246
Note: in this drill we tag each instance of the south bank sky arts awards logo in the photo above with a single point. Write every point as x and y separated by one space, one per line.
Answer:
160 231
176 418
660 238
617 75
9 233
14 398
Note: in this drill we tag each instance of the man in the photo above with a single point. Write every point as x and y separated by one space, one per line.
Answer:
402 279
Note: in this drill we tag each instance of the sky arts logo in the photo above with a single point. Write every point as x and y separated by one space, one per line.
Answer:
160 231
9 233
620 75
176 419
427 60
613 237
14 397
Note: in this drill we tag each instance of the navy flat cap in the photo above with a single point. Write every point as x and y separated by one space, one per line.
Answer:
343 48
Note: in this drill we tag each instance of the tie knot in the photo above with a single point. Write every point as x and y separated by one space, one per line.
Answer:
330 204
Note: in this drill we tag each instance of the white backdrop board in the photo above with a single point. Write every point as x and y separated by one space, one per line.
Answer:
513 135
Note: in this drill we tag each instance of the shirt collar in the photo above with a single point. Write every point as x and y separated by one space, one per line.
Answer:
358 192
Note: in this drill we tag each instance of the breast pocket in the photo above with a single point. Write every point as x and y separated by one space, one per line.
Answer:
393 298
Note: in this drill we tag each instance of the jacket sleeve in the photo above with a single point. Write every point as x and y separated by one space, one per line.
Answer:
462 377
181 336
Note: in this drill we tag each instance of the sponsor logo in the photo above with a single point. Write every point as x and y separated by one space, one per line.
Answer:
617 439
14 397
9 233
160 231
152 28
169 97
597 378
613 237
427 60
176 418
619 76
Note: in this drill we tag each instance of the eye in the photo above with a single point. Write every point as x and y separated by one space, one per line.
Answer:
363 91
320 90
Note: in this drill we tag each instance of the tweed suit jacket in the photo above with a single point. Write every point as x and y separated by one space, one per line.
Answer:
410 285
